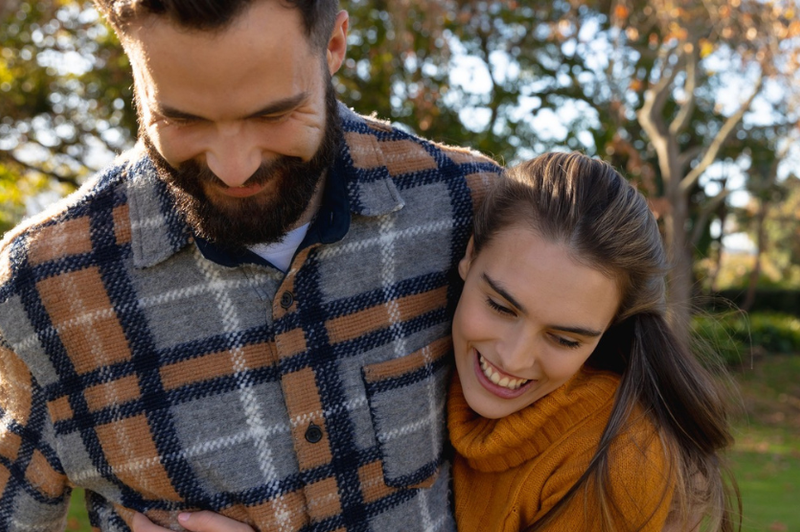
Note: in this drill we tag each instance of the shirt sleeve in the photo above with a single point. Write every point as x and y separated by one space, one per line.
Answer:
34 493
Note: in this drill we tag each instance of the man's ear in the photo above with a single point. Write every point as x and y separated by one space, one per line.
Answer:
466 261
337 44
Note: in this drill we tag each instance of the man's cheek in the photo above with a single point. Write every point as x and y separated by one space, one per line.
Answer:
295 138
173 146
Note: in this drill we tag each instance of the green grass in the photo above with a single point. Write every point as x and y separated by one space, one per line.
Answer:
77 519
770 487
766 457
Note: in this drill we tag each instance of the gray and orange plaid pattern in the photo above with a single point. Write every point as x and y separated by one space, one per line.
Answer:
161 381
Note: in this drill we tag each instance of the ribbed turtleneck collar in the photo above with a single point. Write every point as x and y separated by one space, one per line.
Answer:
500 444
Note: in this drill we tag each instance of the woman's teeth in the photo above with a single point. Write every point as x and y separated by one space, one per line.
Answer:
492 375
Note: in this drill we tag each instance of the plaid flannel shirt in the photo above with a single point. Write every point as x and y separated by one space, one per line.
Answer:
160 381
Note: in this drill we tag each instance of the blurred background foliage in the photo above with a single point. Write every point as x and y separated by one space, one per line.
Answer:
696 101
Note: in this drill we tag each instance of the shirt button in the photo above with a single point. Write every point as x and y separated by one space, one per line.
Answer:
313 434
287 299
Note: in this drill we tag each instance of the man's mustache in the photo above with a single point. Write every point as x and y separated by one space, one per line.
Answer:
201 173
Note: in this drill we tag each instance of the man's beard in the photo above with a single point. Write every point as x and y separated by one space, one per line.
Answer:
255 219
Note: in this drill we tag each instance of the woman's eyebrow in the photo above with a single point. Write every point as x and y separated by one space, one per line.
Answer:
578 330
503 292
581 331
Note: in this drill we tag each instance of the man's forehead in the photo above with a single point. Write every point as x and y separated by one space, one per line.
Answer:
267 47
260 19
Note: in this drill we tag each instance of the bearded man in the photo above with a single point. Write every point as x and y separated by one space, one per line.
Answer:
248 313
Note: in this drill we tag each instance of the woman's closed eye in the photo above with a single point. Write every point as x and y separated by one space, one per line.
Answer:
565 342
500 309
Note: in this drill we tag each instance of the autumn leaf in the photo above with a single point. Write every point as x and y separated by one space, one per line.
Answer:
706 48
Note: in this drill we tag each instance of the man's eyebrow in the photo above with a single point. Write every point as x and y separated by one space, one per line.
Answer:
582 331
280 106
170 112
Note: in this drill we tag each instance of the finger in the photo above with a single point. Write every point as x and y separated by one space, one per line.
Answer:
143 524
210 522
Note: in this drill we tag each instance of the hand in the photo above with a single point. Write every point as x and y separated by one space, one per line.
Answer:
195 522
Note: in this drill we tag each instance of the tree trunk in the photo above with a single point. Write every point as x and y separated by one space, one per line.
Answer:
761 233
755 273
680 278
712 281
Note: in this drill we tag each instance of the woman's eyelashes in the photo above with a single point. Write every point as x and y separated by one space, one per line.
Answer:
509 312
500 309
564 342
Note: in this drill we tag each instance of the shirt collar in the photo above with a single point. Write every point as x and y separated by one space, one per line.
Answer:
357 183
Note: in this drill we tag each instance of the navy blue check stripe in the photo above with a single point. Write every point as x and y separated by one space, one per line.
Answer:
370 510
56 352
179 395
145 359
30 435
399 381
406 287
345 460
177 231
389 334
68 377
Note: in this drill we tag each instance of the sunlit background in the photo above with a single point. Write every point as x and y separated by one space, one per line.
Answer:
697 102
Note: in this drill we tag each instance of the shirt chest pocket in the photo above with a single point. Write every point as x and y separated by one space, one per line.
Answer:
407 403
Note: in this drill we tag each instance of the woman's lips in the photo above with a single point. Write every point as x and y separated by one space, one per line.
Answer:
506 386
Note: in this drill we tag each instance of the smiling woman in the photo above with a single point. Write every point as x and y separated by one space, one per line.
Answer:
575 407
529 317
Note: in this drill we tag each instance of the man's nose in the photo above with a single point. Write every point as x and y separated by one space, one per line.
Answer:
233 159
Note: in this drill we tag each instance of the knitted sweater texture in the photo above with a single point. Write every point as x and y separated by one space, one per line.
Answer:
509 472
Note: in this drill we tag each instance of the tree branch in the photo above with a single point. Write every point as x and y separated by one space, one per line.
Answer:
684 116
688 155
710 207
657 96
69 180
651 118
722 136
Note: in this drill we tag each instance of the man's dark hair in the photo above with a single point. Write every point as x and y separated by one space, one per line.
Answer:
215 15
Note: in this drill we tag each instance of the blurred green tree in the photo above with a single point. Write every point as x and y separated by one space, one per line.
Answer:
65 100
660 88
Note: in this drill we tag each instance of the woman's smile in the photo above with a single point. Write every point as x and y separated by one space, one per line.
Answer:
528 318
498 382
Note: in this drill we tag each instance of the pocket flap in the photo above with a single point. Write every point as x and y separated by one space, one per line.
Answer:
407 403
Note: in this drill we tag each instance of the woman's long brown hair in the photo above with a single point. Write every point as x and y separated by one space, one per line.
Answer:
606 224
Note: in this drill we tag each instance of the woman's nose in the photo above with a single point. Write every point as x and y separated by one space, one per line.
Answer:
517 353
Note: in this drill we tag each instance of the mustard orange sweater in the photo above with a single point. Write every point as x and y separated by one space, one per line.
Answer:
509 472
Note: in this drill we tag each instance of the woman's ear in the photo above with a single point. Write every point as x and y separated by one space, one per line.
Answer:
466 261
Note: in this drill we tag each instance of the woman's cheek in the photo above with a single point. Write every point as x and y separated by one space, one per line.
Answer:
475 320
